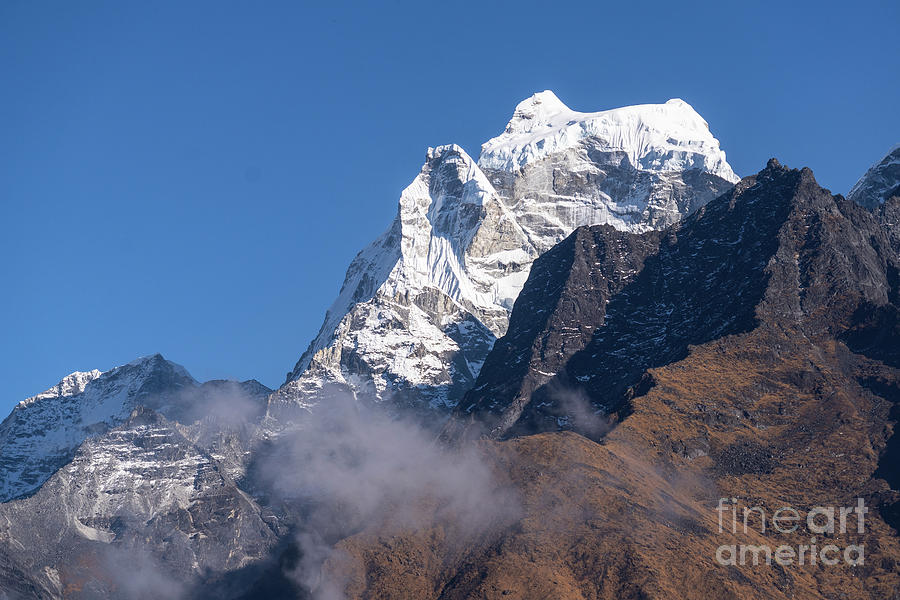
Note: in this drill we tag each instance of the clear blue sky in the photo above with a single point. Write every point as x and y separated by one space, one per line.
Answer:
193 178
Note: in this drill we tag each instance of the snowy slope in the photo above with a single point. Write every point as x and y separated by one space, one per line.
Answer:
422 305
144 494
42 433
880 182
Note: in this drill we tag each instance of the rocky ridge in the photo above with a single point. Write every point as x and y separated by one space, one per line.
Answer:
781 390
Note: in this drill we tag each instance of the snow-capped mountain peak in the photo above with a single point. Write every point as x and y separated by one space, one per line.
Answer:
421 306
655 137
70 385
43 431
539 110
438 283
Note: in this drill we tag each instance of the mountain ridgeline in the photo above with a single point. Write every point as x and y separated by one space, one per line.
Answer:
605 329
775 251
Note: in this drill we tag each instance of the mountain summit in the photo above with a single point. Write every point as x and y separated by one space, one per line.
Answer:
43 431
653 137
421 307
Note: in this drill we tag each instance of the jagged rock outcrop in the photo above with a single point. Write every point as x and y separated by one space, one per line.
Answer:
16 583
556 315
421 307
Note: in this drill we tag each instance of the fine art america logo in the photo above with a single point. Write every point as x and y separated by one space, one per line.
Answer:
823 521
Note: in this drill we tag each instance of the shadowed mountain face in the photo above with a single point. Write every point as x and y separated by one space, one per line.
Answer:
776 251
556 315
15 582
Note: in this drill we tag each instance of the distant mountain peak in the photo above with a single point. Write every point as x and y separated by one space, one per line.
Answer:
880 182
43 431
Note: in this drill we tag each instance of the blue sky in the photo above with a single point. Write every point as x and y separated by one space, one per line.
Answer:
194 178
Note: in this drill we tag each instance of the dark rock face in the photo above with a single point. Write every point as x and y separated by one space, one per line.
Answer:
556 314
777 250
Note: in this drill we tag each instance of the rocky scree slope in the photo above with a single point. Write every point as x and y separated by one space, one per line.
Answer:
139 511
